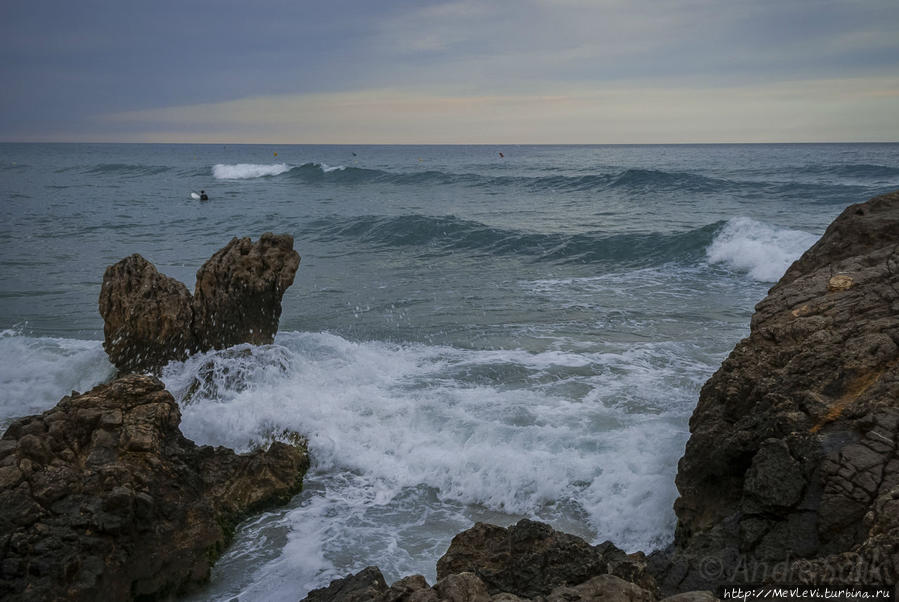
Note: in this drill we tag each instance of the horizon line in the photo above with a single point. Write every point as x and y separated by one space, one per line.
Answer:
508 144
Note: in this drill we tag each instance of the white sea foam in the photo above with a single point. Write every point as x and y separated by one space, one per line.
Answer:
328 168
763 251
410 448
35 372
246 171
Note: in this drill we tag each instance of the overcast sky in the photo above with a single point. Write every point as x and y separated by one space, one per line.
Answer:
497 71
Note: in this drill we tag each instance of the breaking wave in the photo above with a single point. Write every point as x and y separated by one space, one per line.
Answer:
762 251
246 171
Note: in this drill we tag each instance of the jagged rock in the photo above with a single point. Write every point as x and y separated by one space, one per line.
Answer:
104 498
239 290
147 316
461 587
366 585
530 559
409 589
602 587
793 450
151 319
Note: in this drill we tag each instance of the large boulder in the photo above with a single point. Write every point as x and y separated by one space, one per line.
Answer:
530 559
791 472
151 319
147 316
102 497
238 294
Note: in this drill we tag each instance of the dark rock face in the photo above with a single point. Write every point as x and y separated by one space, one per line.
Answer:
151 319
147 316
367 584
239 290
791 473
530 559
527 561
102 497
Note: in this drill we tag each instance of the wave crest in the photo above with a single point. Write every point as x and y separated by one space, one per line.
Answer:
763 251
449 234
247 171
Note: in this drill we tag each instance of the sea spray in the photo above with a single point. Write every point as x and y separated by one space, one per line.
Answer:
36 371
763 251
398 433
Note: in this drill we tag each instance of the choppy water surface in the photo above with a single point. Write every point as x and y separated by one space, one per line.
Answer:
469 336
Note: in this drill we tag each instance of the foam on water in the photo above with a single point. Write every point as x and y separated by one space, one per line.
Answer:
410 448
36 371
761 250
245 171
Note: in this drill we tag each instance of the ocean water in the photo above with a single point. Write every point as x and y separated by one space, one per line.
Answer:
470 336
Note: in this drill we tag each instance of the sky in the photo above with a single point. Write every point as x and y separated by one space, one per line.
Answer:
449 72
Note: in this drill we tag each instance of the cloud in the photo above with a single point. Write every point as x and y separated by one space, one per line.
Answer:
446 70
801 110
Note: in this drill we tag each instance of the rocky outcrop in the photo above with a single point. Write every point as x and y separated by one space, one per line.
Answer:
527 561
530 559
102 497
238 293
147 316
791 473
151 319
368 585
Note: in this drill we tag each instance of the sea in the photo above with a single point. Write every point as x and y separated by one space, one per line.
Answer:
475 333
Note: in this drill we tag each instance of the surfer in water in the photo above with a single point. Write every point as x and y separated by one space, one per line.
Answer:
204 196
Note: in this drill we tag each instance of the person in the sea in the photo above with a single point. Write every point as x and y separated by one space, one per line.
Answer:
204 196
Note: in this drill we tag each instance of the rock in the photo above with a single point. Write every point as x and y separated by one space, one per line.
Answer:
461 587
603 587
147 316
151 319
793 450
694 596
366 585
239 290
530 559
104 498
412 589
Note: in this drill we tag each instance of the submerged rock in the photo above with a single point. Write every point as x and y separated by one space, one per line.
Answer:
791 473
104 498
151 319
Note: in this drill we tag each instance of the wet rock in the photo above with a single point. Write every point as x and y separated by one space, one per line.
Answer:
366 585
793 446
239 290
462 587
603 587
408 589
147 316
104 498
151 319
530 559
